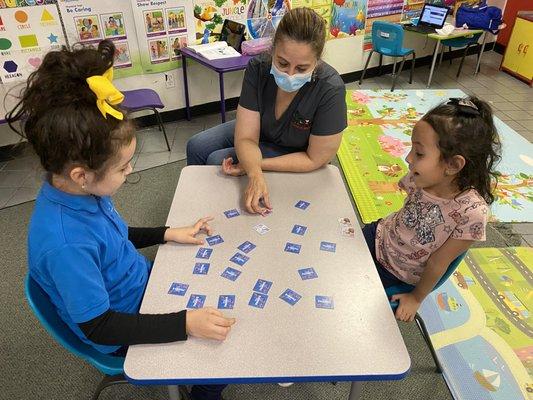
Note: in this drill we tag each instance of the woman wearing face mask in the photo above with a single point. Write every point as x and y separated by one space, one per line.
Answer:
291 112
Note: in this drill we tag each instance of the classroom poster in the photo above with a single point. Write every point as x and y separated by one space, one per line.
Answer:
412 9
259 16
24 3
343 18
382 10
163 28
26 35
90 21
263 16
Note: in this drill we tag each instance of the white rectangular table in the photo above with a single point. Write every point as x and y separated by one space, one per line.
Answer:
356 341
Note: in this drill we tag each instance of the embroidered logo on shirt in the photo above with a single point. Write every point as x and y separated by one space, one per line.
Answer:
300 122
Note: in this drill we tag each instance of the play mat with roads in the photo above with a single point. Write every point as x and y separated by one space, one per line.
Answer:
481 326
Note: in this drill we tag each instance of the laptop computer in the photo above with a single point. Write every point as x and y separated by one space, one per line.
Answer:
432 17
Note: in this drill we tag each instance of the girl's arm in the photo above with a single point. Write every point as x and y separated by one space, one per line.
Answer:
320 151
145 237
436 266
122 329
116 328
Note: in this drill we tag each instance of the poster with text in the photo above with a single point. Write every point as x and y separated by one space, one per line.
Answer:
259 16
383 10
163 28
90 21
26 35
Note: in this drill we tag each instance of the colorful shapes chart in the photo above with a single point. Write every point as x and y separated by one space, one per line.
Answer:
26 35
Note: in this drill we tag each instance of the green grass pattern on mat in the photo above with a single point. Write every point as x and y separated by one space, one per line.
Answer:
372 174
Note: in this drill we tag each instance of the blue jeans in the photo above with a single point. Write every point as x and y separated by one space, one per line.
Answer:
387 278
213 145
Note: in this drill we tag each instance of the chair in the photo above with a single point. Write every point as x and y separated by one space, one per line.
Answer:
387 40
406 288
461 42
112 367
144 99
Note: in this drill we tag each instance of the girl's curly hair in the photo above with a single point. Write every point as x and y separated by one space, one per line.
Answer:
58 111
469 132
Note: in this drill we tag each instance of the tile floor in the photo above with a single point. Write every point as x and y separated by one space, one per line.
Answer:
511 99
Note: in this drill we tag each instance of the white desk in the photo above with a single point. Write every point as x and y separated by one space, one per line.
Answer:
356 341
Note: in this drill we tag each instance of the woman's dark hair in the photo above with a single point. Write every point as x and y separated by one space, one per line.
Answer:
465 127
304 25
59 116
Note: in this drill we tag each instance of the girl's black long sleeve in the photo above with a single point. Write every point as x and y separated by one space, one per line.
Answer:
116 328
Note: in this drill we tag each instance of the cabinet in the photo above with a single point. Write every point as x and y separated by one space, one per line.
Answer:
518 58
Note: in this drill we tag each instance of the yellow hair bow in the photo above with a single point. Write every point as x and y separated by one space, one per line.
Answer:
106 93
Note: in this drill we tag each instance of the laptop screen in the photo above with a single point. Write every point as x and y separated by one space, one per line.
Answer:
433 15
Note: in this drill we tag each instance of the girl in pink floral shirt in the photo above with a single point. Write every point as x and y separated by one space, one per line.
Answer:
449 189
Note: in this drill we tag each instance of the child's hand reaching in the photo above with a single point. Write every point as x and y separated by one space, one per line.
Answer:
187 234
407 308
208 323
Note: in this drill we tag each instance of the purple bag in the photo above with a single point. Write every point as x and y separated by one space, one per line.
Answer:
256 46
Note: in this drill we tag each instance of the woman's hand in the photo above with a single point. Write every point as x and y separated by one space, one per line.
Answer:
232 169
187 234
208 323
407 308
256 198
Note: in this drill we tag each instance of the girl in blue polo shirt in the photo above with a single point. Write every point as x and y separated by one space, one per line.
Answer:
80 251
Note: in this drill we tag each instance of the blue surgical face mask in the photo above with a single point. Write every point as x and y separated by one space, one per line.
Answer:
290 83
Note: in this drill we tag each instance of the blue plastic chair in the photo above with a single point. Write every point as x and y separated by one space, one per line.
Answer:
465 42
112 367
387 40
406 288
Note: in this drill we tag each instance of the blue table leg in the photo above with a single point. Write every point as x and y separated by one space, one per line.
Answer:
433 63
222 99
186 87
355 390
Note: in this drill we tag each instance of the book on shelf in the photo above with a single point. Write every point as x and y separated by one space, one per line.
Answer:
215 50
